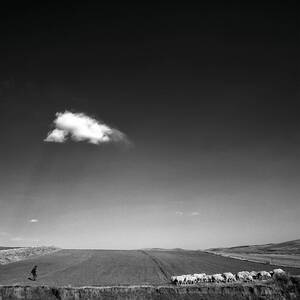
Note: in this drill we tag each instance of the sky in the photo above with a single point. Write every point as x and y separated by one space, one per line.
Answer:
126 127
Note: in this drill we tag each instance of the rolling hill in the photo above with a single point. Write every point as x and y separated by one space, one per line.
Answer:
120 267
283 254
290 247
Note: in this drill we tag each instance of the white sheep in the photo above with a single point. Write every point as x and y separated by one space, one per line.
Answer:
254 274
191 279
229 277
174 279
208 278
225 277
244 276
179 279
278 271
200 277
263 275
218 278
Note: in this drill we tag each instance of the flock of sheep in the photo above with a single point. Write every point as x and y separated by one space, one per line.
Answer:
225 277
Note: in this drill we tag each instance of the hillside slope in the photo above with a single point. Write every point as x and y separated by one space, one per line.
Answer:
10 255
290 247
282 254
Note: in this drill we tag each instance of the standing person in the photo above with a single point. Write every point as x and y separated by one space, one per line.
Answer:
34 274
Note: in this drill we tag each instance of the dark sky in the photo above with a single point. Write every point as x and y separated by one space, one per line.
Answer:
207 95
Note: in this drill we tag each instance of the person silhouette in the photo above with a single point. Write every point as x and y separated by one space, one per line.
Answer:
34 274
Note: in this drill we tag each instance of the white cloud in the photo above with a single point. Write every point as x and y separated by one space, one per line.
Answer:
179 213
16 239
80 127
56 136
195 213
4 233
33 220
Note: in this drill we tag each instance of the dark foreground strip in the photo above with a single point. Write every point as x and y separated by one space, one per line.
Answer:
289 289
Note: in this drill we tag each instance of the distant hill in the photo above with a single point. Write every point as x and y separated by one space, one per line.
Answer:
6 248
290 247
285 254
163 249
10 255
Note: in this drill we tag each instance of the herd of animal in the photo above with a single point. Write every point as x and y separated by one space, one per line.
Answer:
243 276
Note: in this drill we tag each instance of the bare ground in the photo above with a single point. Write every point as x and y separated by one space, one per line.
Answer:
121 267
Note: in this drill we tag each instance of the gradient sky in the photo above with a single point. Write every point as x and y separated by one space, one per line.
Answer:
208 96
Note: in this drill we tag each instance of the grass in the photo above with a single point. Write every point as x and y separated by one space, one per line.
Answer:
285 254
121 267
285 287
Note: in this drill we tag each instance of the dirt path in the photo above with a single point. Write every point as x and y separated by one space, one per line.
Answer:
159 264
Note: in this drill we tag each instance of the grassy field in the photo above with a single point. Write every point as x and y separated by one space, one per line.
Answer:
284 254
290 247
121 267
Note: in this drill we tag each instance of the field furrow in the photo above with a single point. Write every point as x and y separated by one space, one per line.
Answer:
121 267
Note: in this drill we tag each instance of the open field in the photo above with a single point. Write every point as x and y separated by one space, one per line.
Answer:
285 254
121 267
